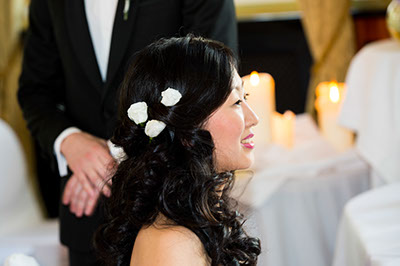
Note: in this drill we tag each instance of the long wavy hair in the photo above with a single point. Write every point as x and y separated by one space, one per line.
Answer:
175 173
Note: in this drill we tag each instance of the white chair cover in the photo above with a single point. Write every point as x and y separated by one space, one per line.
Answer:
19 208
372 107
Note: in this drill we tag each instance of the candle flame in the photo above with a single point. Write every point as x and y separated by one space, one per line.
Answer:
334 92
254 78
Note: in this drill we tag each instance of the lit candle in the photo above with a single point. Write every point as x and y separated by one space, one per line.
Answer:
328 102
261 90
283 128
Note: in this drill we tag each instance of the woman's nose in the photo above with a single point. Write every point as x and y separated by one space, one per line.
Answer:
251 118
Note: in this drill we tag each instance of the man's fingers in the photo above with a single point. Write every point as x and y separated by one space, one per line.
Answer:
90 205
86 183
105 183
109 181
110 171
68 191
104 188
75 197
102 169
106 169
81 203
99 183
78 199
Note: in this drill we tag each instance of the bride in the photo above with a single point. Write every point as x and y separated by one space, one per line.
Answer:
184 126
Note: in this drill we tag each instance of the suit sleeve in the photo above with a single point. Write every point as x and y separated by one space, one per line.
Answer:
214 19
41 84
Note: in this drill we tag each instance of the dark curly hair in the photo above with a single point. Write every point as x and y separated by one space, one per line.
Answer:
174 174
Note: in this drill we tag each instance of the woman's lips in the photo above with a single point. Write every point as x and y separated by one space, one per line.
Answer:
247 143
249 136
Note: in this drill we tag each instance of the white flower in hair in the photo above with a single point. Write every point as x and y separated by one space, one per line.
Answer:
137 112
116 152
19 259
153 128
170 97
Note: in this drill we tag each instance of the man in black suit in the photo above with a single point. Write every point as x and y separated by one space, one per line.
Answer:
74 60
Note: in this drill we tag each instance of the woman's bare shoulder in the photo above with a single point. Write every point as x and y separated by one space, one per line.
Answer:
160 244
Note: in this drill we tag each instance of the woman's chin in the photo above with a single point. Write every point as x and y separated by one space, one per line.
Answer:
246 165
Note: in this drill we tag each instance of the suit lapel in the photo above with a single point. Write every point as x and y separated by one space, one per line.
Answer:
81 41
122 33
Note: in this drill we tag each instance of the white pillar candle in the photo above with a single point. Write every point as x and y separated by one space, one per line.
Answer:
283 128
328 103
261 90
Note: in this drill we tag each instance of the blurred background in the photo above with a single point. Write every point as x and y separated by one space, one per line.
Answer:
302 45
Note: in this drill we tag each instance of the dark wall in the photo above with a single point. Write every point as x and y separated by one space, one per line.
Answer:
280 49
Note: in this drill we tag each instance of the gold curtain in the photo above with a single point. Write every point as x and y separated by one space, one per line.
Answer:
13 19
330 33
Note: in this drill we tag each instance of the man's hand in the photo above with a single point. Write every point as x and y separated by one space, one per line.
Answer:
78 199
89 159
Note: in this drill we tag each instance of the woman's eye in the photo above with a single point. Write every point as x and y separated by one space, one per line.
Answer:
239 102
245 96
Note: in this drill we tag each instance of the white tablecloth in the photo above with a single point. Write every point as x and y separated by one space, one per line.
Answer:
372 106
370 229
40 241
295 198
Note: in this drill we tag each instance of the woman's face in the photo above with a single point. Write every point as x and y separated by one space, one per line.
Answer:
230 127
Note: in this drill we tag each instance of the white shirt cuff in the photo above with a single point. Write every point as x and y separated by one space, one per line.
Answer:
61 161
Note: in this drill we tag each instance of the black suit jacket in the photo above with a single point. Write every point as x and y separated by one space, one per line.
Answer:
61 85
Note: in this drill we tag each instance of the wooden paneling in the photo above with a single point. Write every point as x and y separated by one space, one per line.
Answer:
369 28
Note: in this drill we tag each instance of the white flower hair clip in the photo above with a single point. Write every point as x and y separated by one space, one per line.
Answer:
170 97
137 112
153 128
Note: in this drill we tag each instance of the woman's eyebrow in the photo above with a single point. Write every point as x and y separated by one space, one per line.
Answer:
240 87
